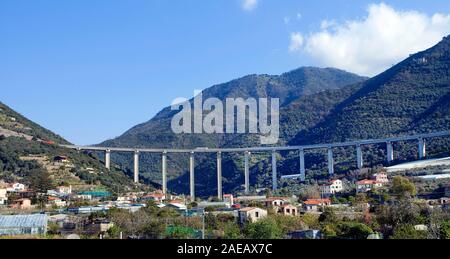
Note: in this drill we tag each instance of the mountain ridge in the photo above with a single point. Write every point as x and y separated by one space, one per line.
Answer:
287 86
391 88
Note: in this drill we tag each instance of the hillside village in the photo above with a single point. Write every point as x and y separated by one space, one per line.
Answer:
51 192
333 209
69 195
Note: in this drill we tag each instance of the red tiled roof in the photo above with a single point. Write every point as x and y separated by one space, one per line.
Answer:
317 201
366 181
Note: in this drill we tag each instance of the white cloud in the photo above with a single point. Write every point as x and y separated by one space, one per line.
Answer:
327 24
249 5
287 20
296 42
371 45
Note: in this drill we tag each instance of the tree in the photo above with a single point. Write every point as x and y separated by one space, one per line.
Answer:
329 231
360 202
445 229
151 208
179 232
232 231
311 220
354 230
407 231
264 229
153 229
225 218
399 213
328 216
401 186
130 223
53 228
114 232
192 205
211 221
168 213
334 200
39 180
310 192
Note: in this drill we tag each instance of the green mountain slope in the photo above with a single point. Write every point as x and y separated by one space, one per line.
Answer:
13 121
27 151
408 98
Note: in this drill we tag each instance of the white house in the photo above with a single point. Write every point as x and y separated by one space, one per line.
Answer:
156 197
313 205
57 201
251 214
16 187
367 185
86 197
381 178
64 190
177 206
288 210
333 187
276 201
3 197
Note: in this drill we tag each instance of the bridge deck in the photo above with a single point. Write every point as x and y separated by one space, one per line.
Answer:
262 149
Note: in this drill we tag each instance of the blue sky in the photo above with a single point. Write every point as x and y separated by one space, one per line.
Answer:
91 69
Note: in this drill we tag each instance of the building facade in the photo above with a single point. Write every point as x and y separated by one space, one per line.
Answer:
380 178
333 187
367 185
251 214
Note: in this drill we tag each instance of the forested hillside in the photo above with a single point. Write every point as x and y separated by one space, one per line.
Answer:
27 151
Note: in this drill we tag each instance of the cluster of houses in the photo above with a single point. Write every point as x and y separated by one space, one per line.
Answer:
19 191
336 186
242 208
62 196
18 196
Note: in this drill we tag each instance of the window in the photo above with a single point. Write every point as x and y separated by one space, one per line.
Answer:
256 214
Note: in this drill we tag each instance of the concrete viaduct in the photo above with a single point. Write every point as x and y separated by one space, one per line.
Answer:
421 140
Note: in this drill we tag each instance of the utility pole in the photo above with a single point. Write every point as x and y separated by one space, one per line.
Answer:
203 224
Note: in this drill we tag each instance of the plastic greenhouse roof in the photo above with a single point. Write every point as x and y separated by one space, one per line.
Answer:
14 221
